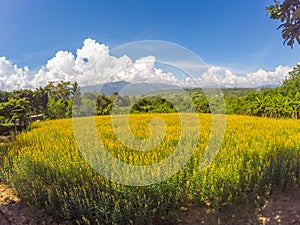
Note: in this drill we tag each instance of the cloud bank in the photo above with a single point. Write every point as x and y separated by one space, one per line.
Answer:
93 64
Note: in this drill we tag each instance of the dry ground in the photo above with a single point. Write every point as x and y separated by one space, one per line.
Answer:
283 209
15 212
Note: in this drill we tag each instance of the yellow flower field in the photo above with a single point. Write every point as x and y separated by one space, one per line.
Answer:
47 168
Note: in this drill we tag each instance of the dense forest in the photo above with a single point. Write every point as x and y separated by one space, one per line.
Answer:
56 100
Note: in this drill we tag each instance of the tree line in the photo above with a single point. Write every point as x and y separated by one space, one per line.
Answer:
18 107
280 102
56 100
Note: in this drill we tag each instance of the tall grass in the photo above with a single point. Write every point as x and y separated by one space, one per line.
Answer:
46 168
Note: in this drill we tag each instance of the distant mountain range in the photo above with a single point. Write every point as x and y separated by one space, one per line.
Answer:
127 88
267 86
131 89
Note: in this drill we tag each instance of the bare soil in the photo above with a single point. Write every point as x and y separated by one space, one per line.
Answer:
281 209
15 212
4 139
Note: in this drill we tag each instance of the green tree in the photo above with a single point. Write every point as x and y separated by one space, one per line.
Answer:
20 113
55 109
39 101
75 96
15 112
3 96
292 83
59 95
232 105
87 107
103 105
5 112
202 104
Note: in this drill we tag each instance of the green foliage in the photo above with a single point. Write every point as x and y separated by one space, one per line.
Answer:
55 108
103 105
152 105
14 112
202 104
17 106
87 107
292 84
282 102
3 96
233 105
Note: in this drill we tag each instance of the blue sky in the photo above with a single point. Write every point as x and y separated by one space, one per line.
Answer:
237 35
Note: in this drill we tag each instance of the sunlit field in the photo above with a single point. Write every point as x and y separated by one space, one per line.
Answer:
47 169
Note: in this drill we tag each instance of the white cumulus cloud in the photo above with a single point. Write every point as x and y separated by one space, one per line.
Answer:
226 78
93 64
12 77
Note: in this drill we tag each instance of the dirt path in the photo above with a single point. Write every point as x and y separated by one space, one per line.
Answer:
281 209
14 212
11 210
